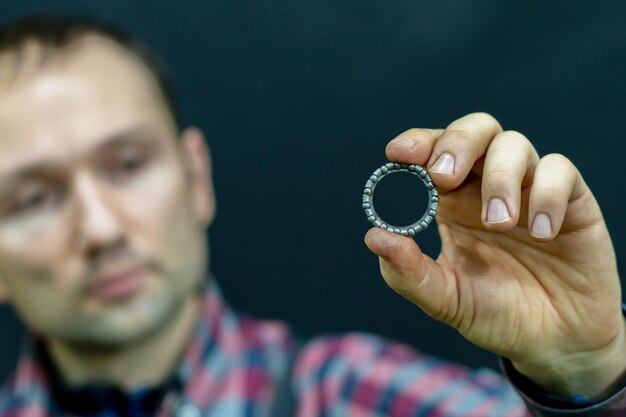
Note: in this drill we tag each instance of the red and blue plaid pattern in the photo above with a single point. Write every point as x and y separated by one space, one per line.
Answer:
233 363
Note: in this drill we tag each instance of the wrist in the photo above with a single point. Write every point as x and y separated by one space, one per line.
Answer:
592 374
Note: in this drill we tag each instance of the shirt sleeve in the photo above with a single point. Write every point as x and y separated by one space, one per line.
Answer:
359 374
545 404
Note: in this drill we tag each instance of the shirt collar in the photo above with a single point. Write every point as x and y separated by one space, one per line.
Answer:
35 377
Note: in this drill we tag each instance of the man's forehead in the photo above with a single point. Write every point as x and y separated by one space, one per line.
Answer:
93 64
90 94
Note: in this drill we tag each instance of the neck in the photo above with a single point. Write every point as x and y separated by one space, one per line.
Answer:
143 365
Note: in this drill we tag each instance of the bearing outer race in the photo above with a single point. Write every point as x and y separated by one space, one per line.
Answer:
382 172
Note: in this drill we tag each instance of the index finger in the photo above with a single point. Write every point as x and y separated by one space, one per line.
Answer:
448 154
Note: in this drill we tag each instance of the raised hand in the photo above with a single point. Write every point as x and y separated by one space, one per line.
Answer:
527 268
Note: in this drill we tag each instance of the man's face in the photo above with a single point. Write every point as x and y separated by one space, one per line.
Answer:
102 208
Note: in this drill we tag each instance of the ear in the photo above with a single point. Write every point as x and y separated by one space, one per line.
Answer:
197 157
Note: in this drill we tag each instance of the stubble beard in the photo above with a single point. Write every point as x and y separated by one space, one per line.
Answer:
126 326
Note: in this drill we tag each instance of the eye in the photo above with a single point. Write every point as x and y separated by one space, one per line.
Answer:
130 164
36 198
126 164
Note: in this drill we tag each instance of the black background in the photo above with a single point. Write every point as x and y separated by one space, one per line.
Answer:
298 100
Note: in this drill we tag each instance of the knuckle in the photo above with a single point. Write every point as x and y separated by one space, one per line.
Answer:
502 163
559 163
486 118
497 186
482 115
557 158
499 180
512 135
499 173
509 151
550 191
512 141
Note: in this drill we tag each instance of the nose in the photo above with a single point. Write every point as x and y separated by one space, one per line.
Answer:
99 222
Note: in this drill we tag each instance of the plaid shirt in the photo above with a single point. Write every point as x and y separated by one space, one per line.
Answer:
233 364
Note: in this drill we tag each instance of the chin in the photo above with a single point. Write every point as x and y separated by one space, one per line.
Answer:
124 324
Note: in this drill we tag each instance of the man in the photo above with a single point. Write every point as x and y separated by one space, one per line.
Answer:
104 203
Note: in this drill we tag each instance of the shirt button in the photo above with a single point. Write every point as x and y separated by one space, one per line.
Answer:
188 410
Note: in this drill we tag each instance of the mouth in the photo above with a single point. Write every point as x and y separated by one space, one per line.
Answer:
118 284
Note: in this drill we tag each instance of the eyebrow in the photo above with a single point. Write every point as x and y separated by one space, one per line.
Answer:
139 134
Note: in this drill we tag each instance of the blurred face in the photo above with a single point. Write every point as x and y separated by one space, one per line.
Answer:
102 207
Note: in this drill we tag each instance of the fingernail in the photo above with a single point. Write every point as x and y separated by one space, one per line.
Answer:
541 226
406 143
497 211
443 165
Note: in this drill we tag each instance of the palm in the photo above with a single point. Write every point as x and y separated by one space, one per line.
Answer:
493 272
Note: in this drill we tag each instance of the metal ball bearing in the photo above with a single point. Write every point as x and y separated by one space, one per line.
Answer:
368 198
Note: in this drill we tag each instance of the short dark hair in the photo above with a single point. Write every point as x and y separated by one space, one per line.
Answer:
58 31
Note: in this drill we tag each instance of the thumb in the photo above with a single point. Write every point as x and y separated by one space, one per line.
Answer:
414 275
